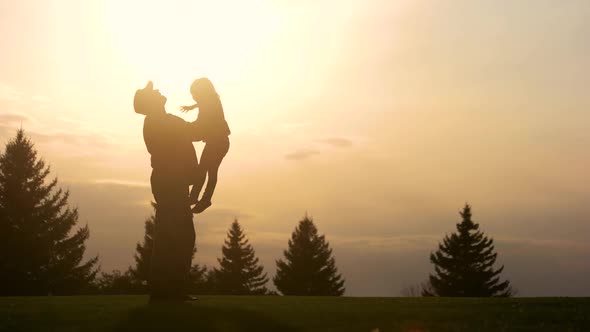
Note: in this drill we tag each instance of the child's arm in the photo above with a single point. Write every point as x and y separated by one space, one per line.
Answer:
185 109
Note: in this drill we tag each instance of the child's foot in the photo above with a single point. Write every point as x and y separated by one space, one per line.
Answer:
201 206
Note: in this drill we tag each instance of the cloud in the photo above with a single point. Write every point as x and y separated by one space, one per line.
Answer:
337 142
292 127
334 142
302 154
396 243
223 213
122 183
9 93
114 192
549 244
96 140
10 119
41 99
10 122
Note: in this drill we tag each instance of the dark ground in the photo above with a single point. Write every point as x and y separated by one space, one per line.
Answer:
274 313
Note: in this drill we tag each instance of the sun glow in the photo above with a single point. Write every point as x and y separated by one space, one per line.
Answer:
175 40
267 59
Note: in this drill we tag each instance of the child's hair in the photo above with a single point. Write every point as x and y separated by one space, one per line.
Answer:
204 90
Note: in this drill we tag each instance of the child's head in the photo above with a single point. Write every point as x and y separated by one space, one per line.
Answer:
203 91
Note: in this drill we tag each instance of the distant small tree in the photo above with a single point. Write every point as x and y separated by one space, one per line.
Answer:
308 268
118 282
240 272
39 254
202 280
464 264
427 289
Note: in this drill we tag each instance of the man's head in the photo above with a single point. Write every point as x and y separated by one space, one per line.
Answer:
149 101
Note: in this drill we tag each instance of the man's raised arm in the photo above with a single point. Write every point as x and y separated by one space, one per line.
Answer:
189 129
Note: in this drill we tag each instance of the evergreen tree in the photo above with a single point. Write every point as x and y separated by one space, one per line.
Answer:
118 282
309 268
202 280
38 255
464 264
240 272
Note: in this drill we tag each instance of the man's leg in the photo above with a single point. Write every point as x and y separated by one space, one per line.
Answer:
185 239
159 278
174 239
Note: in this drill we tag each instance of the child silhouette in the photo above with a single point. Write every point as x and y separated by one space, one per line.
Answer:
215 131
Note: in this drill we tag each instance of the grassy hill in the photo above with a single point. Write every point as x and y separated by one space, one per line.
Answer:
225 313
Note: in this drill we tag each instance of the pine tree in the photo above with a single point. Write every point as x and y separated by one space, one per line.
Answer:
118 282
240 272
464 264
202 280
38 255
309 268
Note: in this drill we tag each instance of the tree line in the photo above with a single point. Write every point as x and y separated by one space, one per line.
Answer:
42 249
301 272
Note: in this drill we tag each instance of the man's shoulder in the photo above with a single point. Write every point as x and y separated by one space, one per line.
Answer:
172 117
174 121
164 122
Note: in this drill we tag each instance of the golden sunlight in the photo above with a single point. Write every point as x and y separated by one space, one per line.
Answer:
174 42
370 140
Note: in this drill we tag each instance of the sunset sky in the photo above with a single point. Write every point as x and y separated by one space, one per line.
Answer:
379 118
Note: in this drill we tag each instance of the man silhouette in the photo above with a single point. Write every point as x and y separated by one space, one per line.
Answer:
169 139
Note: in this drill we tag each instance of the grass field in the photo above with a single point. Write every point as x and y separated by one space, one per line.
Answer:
220 313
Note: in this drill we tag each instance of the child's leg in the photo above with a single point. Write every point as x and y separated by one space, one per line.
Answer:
215 157
205 201
199 181
211 182
212 159
207 161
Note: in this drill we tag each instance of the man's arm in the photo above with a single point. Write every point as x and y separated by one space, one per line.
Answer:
188 129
